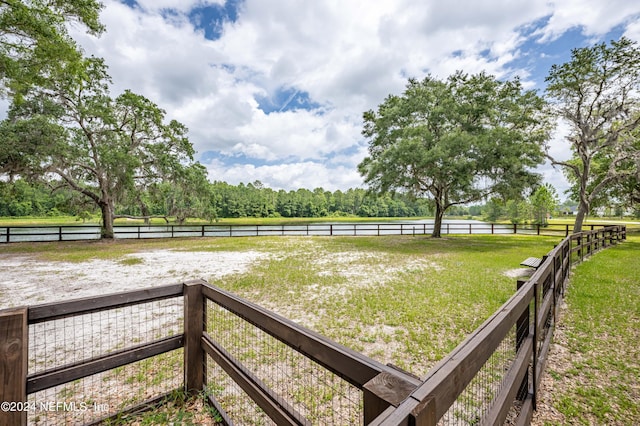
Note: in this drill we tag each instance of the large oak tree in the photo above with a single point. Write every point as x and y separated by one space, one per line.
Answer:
102 147
598 94
456 141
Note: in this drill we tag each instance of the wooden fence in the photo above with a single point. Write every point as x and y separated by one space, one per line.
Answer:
254 365
30 233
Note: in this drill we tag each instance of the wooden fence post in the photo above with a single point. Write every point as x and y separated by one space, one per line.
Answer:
383 391
14 346
523 330
425 413
194 317
534 368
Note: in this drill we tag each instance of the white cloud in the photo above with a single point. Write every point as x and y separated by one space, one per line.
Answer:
289 176
347 56
595 17
178 5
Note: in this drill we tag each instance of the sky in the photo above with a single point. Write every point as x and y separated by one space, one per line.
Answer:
275 90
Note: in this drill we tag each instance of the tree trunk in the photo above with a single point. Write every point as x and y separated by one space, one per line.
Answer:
145 211
581 214
106 232
437 225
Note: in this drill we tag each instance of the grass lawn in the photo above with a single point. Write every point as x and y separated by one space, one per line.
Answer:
594 376
410 300
399 299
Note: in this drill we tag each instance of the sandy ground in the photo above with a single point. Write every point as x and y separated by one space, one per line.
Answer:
26 281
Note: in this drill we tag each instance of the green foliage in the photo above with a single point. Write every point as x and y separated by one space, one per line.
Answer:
493 210
600 381
34 38
518 211
195 197
543 203
598 94
107 149
458 141
21 198
256 200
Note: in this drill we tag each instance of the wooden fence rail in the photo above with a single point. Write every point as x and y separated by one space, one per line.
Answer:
534 304
225 339
26 233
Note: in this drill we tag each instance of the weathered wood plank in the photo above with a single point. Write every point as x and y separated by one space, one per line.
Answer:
526 412
14 344
71 372
276 408
532 262
86 305
382 391
451 376
350 365
194 315
510 386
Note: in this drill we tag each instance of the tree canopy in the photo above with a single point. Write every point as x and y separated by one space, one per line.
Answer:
102 147
598 94
457 141
34 38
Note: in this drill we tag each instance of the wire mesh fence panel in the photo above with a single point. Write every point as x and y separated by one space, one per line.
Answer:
477 398
312 391
76 341
109 393
240 408
83 337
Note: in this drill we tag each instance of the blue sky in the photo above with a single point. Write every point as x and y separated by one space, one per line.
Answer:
274 90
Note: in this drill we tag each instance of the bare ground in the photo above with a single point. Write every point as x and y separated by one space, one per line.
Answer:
28 281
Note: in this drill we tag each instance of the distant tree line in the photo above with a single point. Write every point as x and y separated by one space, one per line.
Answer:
21 198
213 201
219 200
256 200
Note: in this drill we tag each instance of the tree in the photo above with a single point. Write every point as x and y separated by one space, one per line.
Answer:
598 94
101 147
33 37
457 141
188 196
543 202
517 211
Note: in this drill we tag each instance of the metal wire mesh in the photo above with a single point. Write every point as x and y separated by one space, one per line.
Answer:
78 339
310 389
478 396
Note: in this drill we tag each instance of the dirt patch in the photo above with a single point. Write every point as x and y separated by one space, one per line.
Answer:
519 272
27 281
367 269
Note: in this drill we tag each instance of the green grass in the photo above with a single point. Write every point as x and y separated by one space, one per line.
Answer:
410 300
405 300
178 408
600 382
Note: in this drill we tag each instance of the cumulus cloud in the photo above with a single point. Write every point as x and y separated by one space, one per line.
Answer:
288 176
343 57
593 17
